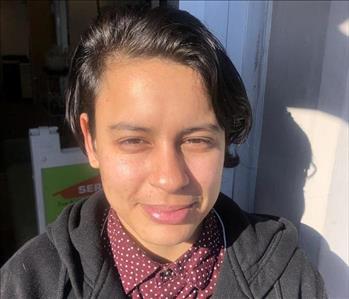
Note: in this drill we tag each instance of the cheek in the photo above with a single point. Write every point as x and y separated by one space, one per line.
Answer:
208 172
121 177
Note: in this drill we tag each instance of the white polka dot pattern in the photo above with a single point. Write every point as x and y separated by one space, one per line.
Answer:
193 275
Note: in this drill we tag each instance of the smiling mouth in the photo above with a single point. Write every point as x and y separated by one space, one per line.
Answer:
169 214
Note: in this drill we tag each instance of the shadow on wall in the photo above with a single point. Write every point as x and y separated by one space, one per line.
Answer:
286 164
311 241
302 168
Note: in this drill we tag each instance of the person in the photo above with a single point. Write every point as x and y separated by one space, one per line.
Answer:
156 103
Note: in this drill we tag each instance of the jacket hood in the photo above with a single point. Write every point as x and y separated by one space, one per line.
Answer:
258 248
77 236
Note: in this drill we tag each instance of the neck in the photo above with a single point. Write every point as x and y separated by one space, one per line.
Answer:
166 254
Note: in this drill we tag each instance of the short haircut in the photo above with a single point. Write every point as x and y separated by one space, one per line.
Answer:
165 33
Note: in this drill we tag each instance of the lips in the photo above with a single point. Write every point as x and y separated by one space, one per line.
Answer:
169 214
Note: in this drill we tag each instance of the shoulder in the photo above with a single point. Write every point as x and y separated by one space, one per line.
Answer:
300 278
263 251
254 229
67 258
32 272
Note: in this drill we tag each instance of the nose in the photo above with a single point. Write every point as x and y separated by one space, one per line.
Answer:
169 171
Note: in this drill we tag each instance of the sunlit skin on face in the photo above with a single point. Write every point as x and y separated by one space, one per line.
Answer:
159 149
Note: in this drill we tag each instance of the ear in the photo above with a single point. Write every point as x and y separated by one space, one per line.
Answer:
88 141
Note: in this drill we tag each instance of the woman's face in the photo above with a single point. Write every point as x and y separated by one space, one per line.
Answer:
159 149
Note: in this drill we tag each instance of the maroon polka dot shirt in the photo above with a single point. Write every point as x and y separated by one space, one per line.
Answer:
193 275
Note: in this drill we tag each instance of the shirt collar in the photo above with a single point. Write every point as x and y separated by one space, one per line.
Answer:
195 266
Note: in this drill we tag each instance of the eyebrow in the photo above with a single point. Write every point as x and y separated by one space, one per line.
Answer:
124 126
205 127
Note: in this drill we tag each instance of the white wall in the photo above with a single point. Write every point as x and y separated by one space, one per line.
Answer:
303 162
331 145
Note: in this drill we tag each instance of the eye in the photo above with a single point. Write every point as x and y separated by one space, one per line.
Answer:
132 141
199 142
133 144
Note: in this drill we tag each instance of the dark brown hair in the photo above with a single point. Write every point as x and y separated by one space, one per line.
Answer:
166 33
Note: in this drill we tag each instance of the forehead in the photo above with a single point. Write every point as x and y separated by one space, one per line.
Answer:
149 89
149 72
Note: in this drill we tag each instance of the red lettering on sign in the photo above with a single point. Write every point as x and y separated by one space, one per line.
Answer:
81 189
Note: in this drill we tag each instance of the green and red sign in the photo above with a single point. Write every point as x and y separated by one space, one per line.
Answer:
65 184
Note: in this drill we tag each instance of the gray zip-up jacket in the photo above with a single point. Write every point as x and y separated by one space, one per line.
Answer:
262 259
